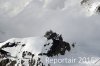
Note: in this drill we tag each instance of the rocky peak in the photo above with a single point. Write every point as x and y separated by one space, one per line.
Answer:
30 51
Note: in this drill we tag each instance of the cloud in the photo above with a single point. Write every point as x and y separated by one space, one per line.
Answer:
12 8
56 4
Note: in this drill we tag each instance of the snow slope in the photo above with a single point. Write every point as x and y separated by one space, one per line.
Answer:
32 49
31 44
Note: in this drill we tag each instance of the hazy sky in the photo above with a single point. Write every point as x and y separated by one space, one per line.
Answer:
24 18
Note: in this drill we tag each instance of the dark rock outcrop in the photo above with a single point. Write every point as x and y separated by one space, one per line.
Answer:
58 46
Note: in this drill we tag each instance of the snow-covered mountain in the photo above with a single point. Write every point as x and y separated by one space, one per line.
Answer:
77 20
49 50
91 6
31 51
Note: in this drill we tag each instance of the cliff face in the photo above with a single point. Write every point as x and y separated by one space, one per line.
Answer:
31 51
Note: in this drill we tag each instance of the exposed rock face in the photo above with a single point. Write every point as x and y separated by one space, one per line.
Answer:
7 62
84 1
58 46
21 52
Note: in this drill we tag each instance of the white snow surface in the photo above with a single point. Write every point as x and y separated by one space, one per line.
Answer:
32 44
35 45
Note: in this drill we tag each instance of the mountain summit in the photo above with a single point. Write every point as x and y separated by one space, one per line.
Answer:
31 51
